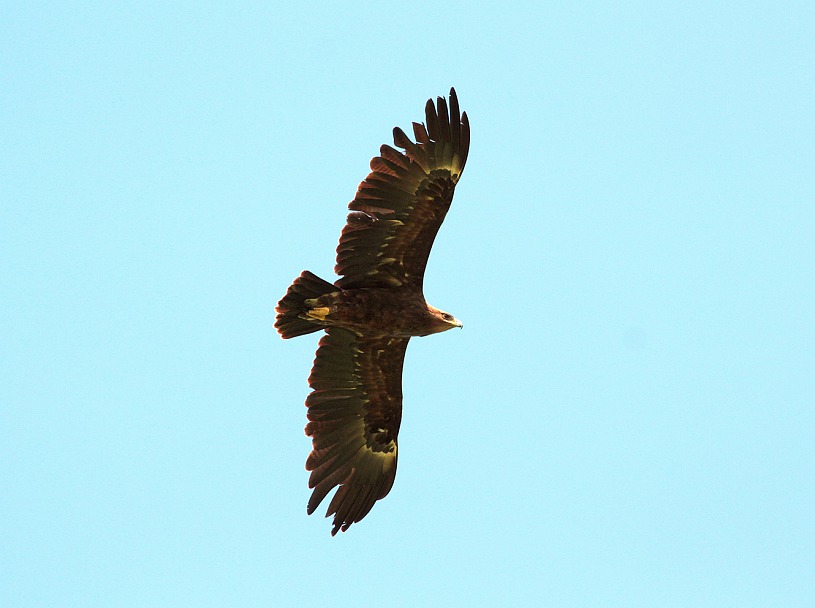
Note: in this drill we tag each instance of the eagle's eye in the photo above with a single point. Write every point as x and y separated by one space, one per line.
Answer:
446 317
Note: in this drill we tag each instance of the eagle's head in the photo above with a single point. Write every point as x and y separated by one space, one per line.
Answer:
441 321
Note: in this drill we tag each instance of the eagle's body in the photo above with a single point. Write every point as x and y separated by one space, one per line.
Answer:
378 312
372 310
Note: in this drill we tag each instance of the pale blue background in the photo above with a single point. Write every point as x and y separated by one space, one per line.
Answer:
628 416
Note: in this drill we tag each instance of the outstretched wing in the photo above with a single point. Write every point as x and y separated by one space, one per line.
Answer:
399 207
354 413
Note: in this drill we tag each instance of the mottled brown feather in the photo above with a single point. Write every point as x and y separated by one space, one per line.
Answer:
406 197
354 413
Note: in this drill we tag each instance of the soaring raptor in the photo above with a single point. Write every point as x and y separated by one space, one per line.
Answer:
372 310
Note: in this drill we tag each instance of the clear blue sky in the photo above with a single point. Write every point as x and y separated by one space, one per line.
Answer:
628 416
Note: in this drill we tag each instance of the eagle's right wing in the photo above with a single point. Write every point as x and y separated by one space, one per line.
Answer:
400 206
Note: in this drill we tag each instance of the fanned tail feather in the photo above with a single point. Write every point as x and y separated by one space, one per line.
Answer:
291 309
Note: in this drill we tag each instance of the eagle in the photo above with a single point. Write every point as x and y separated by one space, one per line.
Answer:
372 310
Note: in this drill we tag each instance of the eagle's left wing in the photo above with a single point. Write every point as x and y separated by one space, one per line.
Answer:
354 413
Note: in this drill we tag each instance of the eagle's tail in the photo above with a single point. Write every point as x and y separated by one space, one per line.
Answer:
291 310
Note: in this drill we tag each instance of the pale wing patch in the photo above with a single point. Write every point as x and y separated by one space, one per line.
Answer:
319 313
387 455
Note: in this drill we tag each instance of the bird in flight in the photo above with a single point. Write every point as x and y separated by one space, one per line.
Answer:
372 310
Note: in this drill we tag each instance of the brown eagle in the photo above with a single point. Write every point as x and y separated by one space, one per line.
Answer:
372 310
